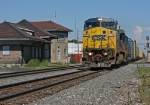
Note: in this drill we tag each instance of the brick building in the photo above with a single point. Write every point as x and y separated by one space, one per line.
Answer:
23 41
59 47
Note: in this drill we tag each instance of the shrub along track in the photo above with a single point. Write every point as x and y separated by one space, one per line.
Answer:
29 72
26 92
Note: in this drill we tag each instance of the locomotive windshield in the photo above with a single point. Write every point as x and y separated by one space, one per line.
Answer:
89 25
100 22
110 25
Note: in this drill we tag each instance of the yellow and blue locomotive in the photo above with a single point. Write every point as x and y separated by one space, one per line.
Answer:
104 43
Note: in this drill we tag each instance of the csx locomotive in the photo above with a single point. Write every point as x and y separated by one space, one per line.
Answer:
104 43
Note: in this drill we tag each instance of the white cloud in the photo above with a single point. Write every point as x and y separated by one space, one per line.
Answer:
147 28
138 34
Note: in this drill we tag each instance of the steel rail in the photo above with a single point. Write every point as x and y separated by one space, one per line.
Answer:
32 81
13 74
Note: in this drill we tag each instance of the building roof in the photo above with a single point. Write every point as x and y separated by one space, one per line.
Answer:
38 31
51 26
13 32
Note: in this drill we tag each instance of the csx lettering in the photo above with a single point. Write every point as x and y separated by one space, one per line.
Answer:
98 37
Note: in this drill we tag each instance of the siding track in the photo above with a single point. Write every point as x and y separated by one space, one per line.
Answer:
29 72
25 92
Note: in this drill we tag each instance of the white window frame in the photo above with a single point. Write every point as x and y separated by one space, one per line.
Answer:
5 50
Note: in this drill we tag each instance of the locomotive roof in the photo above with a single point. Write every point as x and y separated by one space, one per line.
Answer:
104 20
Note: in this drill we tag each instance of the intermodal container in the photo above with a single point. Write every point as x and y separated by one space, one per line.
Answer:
137 52
140 53
131 46
134 49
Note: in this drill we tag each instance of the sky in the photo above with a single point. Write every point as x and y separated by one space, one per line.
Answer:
132 15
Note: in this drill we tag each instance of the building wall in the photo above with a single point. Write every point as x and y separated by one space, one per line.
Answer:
53 53
14 55
59 51
20 52
59 47
63 48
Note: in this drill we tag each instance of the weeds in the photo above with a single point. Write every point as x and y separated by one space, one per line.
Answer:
33 63
15 66
4 66
144 88
44 63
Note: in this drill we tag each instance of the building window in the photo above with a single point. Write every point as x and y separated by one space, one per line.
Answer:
65 52
32 52
36 52
40 52
5 50
47 50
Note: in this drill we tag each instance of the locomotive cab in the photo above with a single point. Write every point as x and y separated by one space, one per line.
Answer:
99 42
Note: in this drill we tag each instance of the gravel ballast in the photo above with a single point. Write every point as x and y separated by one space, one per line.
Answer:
115 88
11 80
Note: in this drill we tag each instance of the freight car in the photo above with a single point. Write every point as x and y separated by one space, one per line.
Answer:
130 49
104 43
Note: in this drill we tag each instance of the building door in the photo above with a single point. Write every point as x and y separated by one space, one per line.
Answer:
46 51
26 53
58 54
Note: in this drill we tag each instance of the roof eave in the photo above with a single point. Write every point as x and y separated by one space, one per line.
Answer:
58 30
53 37
14 38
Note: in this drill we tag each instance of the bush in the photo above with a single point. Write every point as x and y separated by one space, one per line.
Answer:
59 63
73 61
33 63
15 66
44 63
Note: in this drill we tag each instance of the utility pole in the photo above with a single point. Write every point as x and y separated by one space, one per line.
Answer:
75 29
55 16
78 40
75 35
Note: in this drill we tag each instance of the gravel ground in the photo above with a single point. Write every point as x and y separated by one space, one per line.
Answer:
118 87
30 77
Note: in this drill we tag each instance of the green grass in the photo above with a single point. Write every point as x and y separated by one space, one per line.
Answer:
4 66
15 66
144 88
33 63
44 63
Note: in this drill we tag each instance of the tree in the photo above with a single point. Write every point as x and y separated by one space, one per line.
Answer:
74 41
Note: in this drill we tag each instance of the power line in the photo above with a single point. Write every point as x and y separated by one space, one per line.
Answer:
141 43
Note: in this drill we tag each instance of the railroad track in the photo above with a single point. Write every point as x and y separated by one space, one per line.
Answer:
26 92
21 73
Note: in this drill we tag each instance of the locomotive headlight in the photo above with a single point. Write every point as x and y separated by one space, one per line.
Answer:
105 53
90 53
100 19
